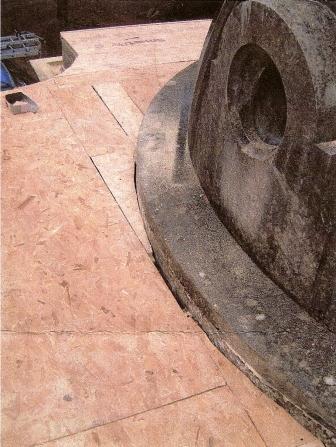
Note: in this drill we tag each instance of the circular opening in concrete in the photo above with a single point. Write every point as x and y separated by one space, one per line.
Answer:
256 92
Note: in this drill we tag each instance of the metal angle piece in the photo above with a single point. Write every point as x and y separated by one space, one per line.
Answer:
20 103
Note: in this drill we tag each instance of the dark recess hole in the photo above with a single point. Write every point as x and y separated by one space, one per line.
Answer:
257 96
269 107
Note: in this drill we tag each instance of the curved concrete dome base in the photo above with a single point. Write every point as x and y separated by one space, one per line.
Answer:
261 119
248 317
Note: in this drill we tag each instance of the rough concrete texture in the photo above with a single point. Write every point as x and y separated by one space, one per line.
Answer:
262 330
262 139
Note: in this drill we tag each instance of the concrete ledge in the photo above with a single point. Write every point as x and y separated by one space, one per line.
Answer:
69 54
250 319
47 68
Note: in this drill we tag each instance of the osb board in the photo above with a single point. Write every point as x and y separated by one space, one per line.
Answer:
95 349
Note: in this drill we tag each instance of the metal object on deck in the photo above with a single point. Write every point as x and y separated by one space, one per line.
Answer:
20 103
22 44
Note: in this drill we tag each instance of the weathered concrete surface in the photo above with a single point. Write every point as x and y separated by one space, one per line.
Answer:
262 330
262 139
